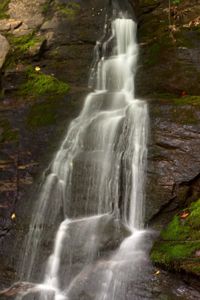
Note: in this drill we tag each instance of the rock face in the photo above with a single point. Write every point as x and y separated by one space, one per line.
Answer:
168 73
55 45
4 49
167 76
29 12
179 246
174 163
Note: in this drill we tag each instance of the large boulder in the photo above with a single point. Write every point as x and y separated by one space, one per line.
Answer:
4 49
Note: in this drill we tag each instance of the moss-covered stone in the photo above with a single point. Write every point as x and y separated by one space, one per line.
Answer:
7 133
21 44
179 242
39 83
4 8
168 53
174 99
42 114
70 9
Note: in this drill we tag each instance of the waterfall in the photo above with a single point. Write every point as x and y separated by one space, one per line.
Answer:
96 182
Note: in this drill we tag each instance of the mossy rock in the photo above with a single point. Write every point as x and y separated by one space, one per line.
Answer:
42 114
70 9
39 83
4 8
179 244
7 133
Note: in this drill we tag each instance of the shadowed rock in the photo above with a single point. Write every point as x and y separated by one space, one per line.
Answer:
22 288
18 288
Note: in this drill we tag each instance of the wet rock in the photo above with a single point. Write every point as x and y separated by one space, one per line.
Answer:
174 164
4 49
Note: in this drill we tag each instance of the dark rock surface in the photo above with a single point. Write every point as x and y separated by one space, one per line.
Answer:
174 162
66 54
168 75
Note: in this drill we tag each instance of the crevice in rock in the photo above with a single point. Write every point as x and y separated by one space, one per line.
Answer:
184 193
148 9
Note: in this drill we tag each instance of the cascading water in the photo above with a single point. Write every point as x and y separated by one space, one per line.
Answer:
97 180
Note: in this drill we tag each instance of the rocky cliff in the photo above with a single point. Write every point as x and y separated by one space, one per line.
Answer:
168 75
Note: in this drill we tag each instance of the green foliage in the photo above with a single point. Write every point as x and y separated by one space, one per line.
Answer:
176 2
154 52
8 133
70 9
22 44
191 100
179 242
175 231
166 253
42 114
39 83
4 8
194 218
46 6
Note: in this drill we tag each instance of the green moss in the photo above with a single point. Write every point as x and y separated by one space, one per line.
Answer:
4 8
39 83
194 218
46 6
175 230
70 9
166 253
8 133
21 44
191 100
42 114
172 98
153 55
179 241
20 47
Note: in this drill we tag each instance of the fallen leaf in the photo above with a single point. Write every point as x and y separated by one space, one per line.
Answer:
184 215
157 272
37 68
13 216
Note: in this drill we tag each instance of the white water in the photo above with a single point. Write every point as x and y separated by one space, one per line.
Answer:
99 169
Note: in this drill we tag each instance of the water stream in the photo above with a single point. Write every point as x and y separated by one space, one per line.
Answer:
95 190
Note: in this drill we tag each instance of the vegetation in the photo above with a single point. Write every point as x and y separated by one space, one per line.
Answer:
180 241
70 9
192 100
42 114
7 132
23 43
4 8
46 6
39 83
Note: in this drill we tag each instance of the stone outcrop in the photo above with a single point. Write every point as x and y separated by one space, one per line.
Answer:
4 49
167 76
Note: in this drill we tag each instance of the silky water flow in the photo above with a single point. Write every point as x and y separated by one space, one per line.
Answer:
96 181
